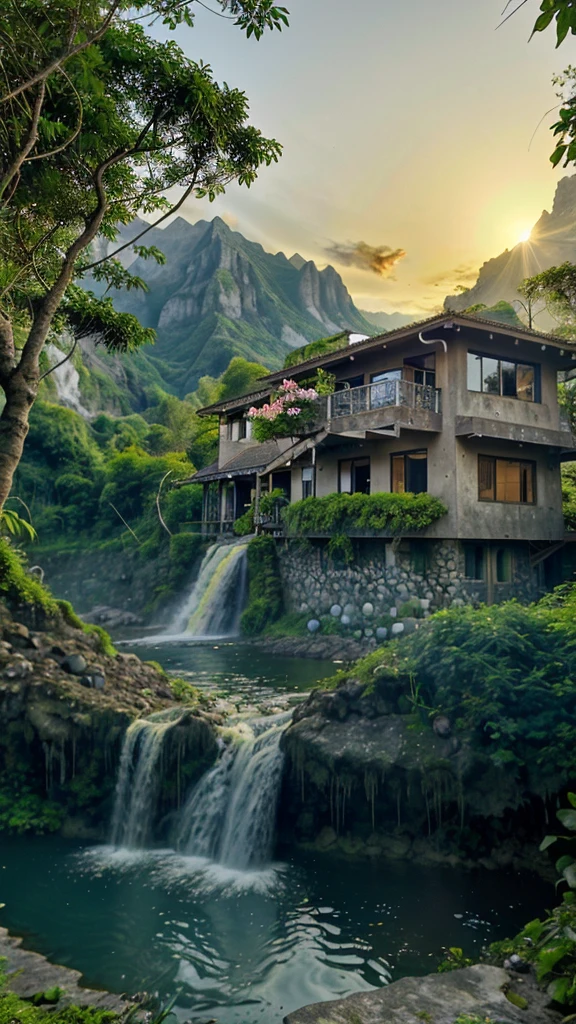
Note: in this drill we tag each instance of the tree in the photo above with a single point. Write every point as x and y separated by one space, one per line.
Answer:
556 289
97 122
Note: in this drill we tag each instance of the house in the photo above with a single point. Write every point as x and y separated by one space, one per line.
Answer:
459 406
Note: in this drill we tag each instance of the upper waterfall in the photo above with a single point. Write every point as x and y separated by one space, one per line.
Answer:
214 605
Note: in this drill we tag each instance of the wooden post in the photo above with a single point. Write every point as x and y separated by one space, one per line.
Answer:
257 503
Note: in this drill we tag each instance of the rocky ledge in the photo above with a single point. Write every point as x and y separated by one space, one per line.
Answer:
481 992
330 648
29 974
66 700
368 774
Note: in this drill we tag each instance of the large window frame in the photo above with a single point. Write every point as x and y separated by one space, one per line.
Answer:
347 473
398 459
488 480
488 374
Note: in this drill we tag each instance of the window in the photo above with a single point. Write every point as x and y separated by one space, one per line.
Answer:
242 429
229 430
410 472
508 480
420 559
474 562
503 377
503 565
307 481
421 370
354 476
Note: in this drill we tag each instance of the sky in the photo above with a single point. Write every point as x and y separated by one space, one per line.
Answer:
407 126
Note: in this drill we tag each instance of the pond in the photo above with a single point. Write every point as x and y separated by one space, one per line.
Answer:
248 947
242 947
233 669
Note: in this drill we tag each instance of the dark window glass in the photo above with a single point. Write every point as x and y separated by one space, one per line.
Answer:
410 472
525 378
508 480
508 379
502 377
474 372
490 376
307 481
420 561
241 429
503 565
354 476
474 562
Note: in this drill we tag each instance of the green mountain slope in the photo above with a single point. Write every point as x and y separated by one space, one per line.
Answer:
220 295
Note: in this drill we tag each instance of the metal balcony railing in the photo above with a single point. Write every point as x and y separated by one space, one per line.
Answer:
382 395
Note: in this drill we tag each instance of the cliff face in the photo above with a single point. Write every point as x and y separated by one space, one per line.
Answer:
552 242
219 295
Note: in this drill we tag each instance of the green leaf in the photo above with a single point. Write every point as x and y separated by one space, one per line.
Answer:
568 818
543 21
570 875
547 841
572 799
557 155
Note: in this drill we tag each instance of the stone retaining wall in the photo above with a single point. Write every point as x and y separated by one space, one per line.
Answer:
396 581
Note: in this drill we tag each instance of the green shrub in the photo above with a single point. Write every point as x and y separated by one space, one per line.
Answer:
16 584
14 1009
290 624
340 513
264 587
22 810
411 609
244 525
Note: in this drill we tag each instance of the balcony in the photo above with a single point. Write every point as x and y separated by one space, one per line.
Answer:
386 405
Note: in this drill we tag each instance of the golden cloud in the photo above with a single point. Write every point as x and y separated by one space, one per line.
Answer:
378 259
465 274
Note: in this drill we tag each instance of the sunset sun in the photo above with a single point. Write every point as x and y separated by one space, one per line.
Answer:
524 236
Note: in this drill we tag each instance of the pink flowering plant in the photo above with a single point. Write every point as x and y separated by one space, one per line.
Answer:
289 413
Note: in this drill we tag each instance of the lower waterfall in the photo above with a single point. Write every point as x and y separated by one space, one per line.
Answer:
139 780
230 817
214 605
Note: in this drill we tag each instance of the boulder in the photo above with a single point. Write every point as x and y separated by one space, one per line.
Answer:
313 625
478 992
76 664
367 609
336 611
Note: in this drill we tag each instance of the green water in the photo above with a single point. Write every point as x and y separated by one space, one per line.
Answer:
248 947
234 669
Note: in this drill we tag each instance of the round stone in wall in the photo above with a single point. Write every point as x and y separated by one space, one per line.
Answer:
397 628
336 611
349 609
393 613
313 625
381 633
345 620
368 609
357 634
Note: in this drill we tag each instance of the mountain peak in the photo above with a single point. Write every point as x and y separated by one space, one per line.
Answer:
297 261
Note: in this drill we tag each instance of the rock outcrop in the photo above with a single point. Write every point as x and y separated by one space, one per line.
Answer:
481 992
371 775
66 700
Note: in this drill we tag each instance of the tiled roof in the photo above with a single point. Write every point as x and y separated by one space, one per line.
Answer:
253 459
399 333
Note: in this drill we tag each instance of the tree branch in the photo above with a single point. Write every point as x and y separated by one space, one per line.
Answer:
42 75
31 140
164 217
61 363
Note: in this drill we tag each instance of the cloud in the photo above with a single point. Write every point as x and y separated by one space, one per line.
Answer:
465 274
378 259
